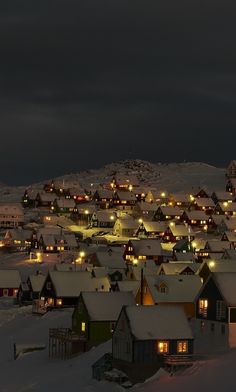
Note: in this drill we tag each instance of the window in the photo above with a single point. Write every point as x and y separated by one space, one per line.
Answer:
220 310
233 315
59 301
212 327
182 346
49 285
202 307
163 347
5 292
83 326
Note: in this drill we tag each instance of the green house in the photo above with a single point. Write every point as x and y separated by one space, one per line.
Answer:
96 313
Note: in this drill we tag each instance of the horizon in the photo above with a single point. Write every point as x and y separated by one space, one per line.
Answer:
53 177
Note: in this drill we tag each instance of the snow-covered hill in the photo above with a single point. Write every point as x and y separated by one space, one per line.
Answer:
173 177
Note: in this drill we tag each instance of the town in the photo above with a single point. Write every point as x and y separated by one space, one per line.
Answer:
151 270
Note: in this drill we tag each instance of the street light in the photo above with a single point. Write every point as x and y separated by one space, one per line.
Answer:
135 263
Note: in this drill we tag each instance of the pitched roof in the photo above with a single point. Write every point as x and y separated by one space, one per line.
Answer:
37 282
180 289
10 279
226 281
158 322
175 268
106 306
70 284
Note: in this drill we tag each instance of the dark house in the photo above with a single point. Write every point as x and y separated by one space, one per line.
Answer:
215 327
151 334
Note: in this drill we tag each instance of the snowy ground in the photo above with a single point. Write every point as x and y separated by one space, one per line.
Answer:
36 372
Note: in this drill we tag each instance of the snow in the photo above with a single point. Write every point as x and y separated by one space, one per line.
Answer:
158 322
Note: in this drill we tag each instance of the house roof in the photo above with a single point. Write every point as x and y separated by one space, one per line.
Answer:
124 195
147 247
180 289
129 285
106 306
65 203
204 202
70 284
46 197
104 216
145 206
181 230
158 322
153 226
227 207
175 268
11 209
197 215
111 258
226 281
9 279
37 282
173 211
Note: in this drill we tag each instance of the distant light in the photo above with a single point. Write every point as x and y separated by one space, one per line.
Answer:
163 194
212 264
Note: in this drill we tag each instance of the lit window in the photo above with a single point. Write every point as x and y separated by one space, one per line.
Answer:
182 346
83 326
59 301
203 305
163 347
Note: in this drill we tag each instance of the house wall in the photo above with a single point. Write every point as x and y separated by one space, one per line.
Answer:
147 350
210 336
232 335
11 292
122 342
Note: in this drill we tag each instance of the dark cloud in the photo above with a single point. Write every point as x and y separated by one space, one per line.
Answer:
86 82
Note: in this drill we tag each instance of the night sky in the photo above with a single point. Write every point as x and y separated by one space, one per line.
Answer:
87 82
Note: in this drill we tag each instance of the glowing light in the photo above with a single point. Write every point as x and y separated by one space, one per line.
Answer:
112 217
163 194
86 212
140 220
82 254
135 262
212 264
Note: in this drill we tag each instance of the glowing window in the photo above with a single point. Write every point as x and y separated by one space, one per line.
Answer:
203 305
163 347
83 326
182 346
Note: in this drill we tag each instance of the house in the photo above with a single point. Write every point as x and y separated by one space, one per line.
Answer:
164 213
96 313
145 249
10 281
78 194
227 223
126 183
225 208
29 197
103 198
203 204
59 242
147 334
18 240
231 169
181 200
31 289
200 193
144 210
64 206
229 236
84 213
215 326
196 218
158 197
176 232
62 289
125 227
215 248
209 266
141 193
44 199
11 215
222 196
231 186
104 219
124 200
151 229
171 289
